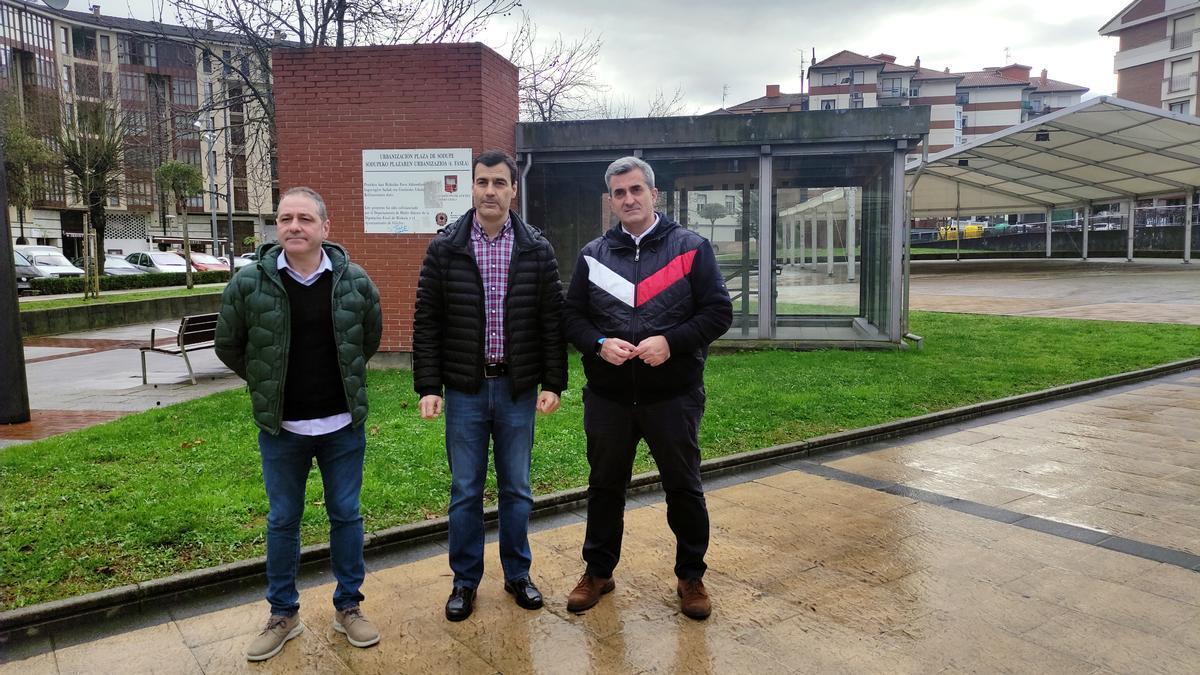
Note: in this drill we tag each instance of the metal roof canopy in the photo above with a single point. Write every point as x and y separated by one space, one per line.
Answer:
1102 150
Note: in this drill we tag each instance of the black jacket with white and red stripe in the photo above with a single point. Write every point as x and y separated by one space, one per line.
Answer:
668 285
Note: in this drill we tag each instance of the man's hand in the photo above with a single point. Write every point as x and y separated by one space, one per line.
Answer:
654 350
617 351
431 406
547 402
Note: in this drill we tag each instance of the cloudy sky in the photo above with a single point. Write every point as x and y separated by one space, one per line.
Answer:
704 46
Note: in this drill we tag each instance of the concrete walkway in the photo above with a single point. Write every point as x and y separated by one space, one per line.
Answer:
1061 538
80 379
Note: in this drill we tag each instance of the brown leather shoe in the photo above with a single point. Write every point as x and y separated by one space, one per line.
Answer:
693 599
588 591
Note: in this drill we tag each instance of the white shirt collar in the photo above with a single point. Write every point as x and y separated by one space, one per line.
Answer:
637 239
307 281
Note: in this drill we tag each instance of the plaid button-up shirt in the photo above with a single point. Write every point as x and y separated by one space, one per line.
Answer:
493 257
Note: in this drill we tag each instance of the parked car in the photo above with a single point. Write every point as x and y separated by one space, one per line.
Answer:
204 262
157 261
238 261
114 265
49 260
26 272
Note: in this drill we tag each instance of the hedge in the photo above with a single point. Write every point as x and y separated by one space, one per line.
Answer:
59 285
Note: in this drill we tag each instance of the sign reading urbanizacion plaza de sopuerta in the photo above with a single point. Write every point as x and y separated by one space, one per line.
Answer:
414 191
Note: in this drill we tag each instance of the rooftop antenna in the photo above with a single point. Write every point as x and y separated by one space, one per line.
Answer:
724 94
1007 56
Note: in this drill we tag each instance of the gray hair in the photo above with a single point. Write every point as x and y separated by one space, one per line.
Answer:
625 165
311 194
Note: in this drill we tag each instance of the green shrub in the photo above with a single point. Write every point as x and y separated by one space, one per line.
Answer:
57 285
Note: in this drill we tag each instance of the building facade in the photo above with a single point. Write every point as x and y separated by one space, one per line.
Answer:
181 98
1159 53
963 106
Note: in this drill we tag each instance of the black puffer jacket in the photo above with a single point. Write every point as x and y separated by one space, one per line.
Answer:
449 323
671 286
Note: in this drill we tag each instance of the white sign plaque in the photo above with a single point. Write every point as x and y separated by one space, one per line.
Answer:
415 191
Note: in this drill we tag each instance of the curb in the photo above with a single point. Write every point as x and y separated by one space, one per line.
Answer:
413 533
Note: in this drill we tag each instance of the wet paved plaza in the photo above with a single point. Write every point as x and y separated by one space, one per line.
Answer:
1061 538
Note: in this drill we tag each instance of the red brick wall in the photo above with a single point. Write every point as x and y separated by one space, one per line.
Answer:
1142 84
1143 34
1144 8
331 104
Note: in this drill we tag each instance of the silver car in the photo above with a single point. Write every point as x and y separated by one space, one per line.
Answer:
157 261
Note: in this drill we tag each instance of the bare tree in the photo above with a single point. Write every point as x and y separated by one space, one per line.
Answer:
557 81
606 106
662 105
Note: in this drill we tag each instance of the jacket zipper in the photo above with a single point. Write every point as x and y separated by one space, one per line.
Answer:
337 276
637 256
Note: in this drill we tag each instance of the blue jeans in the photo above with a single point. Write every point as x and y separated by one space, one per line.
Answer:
472 420
286 462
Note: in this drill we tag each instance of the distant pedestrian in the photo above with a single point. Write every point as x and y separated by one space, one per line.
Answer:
646 300
299 326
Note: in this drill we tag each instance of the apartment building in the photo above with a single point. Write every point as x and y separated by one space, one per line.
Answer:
1157 59
180 100
963 106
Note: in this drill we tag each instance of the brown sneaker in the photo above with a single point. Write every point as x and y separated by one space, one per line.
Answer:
279 630
359 631
588 591
693 599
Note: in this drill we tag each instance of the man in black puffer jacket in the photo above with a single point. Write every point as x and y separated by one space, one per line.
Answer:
646 300
487 333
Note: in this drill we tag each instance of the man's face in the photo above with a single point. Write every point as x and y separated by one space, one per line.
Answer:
633 199
492 192
298 225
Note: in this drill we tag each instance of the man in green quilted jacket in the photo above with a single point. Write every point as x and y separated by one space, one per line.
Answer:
308 391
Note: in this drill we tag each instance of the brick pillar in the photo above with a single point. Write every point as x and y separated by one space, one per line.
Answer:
331 104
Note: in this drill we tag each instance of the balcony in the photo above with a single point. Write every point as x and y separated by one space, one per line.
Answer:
1183 40
1182 82
892 96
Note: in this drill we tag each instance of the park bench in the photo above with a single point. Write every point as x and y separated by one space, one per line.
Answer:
195 333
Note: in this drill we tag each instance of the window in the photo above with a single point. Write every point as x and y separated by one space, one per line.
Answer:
914 92
828 79
105 49
106 85
828 104
965 123
962 98
84 42
1181 34
64 40
858 77
114 197
226 61
856 103
207 61
149 54
183 92
133 87
87 80
66 79
891 86
1181 75
1180 107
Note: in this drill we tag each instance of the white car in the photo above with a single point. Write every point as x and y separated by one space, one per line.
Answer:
157 261
49 260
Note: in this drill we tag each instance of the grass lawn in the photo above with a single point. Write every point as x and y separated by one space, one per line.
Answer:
179 488
33 305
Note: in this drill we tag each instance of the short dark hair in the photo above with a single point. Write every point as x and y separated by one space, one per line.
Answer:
494 157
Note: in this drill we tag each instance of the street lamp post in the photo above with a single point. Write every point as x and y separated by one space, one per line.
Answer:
14 395
211 136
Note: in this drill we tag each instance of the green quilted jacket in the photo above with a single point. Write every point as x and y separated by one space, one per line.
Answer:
253 331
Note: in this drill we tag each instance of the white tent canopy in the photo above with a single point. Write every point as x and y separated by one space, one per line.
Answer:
1099 151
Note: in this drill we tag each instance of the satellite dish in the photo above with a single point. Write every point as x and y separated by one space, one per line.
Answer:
56 4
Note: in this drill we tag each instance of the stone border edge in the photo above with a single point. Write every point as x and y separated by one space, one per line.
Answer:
413 533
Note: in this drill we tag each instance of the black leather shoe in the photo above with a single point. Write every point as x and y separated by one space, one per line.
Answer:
526 594
460 604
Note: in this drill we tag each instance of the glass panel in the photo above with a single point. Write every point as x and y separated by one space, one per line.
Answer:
716 197
832 232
